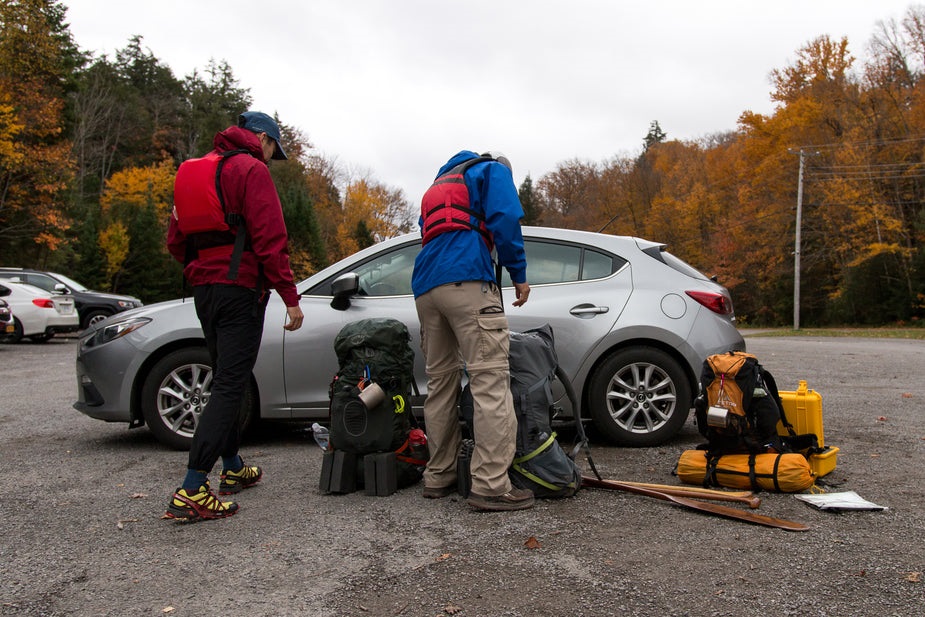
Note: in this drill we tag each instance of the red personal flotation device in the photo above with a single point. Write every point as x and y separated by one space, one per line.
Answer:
199 208
445 205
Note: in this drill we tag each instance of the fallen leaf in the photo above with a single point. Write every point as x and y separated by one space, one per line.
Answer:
532 542
444 556
914 577
907 395
452 609
881 419
138 495
168 609
119 525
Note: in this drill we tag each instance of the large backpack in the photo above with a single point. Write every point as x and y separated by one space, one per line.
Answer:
739 408
540 464
374 351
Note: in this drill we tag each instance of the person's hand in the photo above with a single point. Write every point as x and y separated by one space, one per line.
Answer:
521 290
295 318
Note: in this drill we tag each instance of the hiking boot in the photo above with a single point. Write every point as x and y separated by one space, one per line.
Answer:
237 481
514 499
434 492
198 505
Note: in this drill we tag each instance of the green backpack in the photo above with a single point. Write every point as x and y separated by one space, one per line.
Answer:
372 351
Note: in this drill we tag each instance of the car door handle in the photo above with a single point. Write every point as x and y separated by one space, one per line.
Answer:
588 309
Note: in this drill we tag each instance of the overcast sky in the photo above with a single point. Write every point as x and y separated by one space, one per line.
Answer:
393 88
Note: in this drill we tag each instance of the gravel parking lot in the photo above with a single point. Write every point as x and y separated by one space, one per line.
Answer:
80 504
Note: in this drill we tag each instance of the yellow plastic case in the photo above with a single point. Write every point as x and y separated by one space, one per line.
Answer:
803 409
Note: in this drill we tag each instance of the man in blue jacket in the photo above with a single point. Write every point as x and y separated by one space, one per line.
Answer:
471 209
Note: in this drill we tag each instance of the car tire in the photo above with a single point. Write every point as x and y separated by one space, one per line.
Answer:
16 336
93 317
44 337
176 390
639 397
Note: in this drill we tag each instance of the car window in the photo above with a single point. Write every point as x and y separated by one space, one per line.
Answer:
388 274
41 281
554 262
74 285
596 265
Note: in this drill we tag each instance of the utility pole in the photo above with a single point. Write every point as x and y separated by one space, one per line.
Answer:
797 241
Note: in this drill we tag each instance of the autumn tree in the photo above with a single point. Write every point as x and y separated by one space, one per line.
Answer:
370 212
135 207
37 57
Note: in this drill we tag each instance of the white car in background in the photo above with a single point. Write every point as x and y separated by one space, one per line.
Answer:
37 314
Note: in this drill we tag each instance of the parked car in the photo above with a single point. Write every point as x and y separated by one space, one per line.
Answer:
37 314
6 320
92 306
632 325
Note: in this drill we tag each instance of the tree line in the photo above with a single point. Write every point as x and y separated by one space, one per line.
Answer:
89 147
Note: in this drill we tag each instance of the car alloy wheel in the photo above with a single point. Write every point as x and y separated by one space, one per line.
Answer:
94 318
175 393
639 396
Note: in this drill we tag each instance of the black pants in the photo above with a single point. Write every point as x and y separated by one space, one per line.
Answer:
232 321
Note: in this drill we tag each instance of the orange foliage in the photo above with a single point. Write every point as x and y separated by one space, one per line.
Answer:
138 186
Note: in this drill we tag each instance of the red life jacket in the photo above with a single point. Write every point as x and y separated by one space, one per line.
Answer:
199 208
445 205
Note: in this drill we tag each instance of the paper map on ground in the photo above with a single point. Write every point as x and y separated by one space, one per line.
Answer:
846 500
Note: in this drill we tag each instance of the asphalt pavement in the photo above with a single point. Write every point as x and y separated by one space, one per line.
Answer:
81 501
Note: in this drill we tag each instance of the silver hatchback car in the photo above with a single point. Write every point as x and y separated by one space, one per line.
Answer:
632 326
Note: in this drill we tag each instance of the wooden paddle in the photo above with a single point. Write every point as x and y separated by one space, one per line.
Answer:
703 506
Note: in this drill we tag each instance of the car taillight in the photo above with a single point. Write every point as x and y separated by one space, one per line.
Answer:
43 303
716 302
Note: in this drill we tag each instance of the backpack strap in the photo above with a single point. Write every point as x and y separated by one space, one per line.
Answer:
233 219
808 443
579 425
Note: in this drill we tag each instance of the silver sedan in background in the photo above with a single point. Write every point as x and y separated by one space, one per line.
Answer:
632 326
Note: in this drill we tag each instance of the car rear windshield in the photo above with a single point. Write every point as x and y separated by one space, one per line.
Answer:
660 253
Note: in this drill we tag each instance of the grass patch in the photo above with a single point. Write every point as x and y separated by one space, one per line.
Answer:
904 333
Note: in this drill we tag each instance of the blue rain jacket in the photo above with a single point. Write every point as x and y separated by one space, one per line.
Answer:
457 256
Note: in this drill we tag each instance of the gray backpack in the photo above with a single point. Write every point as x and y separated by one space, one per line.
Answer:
540 464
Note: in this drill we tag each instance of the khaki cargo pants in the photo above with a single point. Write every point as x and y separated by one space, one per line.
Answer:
463 324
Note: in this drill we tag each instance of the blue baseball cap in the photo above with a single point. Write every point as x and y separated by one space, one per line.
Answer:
259 122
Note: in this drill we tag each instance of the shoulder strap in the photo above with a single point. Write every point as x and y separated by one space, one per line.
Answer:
235 219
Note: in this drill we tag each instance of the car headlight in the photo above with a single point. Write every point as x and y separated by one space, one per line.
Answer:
111 332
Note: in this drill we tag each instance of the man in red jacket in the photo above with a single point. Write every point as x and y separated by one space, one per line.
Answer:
227 228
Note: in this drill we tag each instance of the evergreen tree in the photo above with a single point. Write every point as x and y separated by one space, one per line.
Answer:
529 200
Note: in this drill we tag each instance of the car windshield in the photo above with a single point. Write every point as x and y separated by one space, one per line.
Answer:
71 283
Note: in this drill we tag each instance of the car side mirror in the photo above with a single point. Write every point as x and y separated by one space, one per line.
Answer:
343 288
61 288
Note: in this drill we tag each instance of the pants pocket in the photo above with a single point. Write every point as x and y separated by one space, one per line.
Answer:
494 342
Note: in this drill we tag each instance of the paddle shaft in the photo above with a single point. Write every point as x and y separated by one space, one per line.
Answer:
746 497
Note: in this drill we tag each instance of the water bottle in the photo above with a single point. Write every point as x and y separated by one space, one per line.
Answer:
321 435
418 442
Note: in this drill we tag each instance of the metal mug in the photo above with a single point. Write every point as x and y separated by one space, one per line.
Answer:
718 417
372 396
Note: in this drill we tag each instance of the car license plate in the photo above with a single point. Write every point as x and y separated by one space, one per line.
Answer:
10 328
65 309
